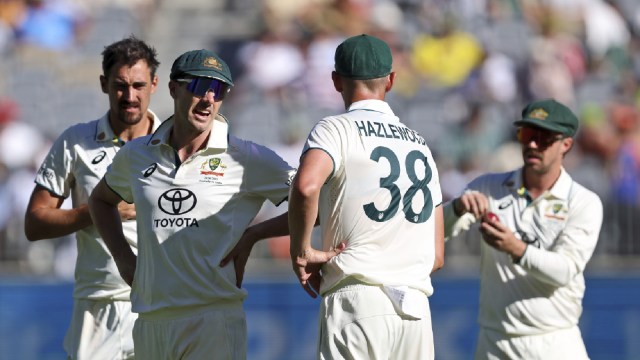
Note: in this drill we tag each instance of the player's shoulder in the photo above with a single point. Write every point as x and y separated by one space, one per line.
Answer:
583 196
492 180
87 129
247 147
138 145
338 125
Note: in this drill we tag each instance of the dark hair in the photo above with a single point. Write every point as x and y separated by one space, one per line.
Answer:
129 51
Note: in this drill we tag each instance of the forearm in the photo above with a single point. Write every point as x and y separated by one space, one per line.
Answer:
109 225
107 221
48 223
276 226
302 219
550 267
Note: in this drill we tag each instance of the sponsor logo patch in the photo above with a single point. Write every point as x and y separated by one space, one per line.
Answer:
177 201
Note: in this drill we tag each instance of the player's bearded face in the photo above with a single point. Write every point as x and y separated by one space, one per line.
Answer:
130 90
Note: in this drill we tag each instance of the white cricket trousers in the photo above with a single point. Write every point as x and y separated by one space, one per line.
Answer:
100 329
359 321
564 344
214 332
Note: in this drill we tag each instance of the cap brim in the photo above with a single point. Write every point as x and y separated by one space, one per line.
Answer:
208 74
538 124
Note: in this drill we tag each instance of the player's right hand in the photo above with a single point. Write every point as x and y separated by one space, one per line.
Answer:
307 267
127 211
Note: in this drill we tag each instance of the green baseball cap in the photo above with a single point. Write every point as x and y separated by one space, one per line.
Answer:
201 63
549 115
363 57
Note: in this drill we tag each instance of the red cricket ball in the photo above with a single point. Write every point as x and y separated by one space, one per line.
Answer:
492 217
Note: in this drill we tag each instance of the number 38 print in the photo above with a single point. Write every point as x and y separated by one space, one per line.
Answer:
397 195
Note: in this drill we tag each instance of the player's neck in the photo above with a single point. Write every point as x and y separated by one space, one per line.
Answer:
188 143
129 132
537 183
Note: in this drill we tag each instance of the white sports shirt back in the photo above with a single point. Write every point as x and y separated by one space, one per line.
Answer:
380 198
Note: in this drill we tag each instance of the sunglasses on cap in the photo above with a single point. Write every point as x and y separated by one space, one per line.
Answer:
541 137
199 86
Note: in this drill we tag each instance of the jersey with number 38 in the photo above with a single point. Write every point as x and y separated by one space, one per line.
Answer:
379 199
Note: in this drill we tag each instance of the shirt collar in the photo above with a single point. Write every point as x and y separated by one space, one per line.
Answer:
372 105
559 190
562 187
104 132
218 138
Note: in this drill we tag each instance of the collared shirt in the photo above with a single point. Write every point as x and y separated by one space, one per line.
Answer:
73 167
380 198
544 291
192 213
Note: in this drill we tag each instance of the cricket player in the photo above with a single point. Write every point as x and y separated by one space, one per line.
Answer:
196 189
102 320
373 183
538 229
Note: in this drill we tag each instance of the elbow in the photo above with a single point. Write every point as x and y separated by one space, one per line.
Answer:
31 230
30 235
306 189
438 264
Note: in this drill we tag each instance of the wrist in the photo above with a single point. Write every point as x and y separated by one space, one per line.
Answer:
457 207
516 258
250 234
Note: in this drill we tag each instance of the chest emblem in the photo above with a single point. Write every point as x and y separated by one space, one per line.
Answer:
556 211
213 166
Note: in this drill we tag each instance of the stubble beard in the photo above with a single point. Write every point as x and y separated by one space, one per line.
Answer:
129 119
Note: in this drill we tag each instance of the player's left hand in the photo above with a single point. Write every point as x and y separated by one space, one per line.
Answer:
307 268
240 255
500 237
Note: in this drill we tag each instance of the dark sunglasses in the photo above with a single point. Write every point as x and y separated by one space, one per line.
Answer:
541 137
199 86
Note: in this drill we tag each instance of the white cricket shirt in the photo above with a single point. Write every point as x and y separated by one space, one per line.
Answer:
192 214
544 291
380 198
75 164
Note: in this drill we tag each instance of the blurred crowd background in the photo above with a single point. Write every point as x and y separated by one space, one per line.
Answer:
465 69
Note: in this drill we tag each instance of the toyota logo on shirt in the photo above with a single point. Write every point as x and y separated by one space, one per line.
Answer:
177 201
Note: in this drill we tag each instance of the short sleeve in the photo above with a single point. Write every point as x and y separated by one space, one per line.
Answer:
56 172
268 175
117 175
325 136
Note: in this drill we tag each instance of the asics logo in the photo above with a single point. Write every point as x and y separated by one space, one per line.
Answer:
505 204
148 171
99 157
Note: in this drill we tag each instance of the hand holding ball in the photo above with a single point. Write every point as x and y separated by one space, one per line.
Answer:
491 217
